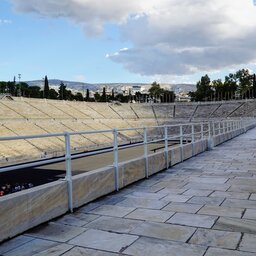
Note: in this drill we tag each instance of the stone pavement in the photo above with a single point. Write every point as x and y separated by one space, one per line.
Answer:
203 206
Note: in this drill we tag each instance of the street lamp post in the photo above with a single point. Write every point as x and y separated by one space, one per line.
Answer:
19 76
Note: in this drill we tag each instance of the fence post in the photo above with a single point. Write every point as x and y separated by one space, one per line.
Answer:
115 149
219 128
166 146
213 128
145 142
68 171
181 143
193 138
210 138
202 131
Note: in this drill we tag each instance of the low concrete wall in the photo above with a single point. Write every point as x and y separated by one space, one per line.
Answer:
218 139
91 185
29 208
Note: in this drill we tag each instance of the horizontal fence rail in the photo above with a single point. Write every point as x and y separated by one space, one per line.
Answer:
181 134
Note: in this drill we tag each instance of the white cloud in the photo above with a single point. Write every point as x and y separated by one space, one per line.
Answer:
169 37
5 22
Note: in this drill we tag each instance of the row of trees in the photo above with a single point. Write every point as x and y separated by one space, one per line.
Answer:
23 89
156 93
240 85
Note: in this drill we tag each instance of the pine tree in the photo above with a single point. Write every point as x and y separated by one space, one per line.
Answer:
46 88
87 95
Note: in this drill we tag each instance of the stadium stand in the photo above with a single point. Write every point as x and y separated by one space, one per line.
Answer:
28 128
143 110
224 110
7 113
204 111
23 109
246 108
123 110
93 140
86 110
185 110
104 109
163 111
68 109
25 116
48 109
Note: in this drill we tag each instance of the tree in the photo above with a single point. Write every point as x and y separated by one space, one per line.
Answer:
34 92
46 88
78 96
87 98
103 97
203 90
245 81
97 96
62 91
53 94
155 90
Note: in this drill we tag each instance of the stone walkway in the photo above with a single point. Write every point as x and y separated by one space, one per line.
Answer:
204 206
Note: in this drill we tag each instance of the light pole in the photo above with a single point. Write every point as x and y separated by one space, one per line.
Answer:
19 76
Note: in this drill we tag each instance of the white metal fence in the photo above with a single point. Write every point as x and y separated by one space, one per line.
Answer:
181 134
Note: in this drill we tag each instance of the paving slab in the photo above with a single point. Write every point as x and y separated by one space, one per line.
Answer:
253 196
114 224
55 232
248 243
206 200
225 252
79 251
57 250
37 246
146 195
172 191
103 240
209 179
239 203
176 198
14 243
250 214
76 219
164 231
215 238
153 247
242 188
235 224
235 195
194 220
112 210
207 186
197 192
150 215
183 207
143 203
222 211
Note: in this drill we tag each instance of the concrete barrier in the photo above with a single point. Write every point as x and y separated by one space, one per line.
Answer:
29 208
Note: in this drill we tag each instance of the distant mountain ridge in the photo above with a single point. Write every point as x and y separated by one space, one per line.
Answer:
95 86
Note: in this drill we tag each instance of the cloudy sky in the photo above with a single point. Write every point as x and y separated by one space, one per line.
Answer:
170 41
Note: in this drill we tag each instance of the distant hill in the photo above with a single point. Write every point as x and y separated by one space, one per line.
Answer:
70 84
83 86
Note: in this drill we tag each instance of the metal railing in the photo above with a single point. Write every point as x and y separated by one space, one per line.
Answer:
181 134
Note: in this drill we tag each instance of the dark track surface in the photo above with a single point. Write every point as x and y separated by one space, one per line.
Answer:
52 172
